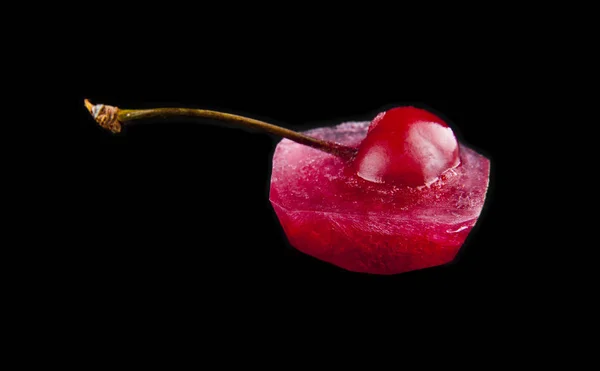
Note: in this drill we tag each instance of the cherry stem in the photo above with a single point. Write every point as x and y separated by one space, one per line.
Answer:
113 118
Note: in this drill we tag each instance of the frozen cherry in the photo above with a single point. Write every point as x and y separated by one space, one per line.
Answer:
383 197
406 145
331 213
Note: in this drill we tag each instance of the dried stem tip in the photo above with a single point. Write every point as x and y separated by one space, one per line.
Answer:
105 116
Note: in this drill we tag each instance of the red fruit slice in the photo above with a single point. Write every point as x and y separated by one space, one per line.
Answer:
330 213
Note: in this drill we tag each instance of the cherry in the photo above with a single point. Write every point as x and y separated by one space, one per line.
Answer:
406 146
354 194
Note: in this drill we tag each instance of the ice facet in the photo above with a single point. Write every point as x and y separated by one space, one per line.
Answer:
329 212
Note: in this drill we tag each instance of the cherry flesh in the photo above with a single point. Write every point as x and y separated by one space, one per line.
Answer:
407 146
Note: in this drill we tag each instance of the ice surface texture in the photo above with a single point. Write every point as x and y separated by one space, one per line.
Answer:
330 213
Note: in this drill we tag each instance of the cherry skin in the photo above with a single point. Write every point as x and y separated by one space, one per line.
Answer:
406 146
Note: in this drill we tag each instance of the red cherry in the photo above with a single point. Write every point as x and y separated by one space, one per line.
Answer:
407 146
328 210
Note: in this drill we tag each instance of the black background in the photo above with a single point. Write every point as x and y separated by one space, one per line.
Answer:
178 212
168 225
167 208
